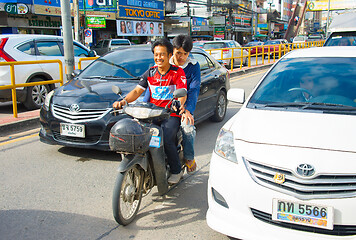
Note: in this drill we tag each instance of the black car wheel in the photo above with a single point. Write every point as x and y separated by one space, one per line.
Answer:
36 95
220 108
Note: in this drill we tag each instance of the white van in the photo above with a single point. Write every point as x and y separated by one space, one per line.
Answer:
342 30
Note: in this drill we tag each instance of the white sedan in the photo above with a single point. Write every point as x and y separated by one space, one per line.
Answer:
285 165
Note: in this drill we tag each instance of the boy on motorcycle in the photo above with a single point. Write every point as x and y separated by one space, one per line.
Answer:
161 80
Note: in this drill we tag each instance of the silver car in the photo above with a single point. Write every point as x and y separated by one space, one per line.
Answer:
222 50
107 45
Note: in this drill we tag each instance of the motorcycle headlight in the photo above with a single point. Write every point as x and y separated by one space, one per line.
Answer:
224 146
48 99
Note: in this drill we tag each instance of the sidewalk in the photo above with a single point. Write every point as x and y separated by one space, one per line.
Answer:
29 120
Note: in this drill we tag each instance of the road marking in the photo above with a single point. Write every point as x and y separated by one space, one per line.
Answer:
250 75
19 139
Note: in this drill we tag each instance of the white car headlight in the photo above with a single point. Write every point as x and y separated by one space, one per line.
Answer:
224 146
48 98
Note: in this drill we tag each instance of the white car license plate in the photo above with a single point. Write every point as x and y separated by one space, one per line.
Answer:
303 214
73 130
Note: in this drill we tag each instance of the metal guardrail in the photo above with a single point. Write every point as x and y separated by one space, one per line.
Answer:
13 85
85 59
272 52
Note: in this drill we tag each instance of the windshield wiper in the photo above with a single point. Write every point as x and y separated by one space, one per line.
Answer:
287 104
93 77
109 77
329 106
312 105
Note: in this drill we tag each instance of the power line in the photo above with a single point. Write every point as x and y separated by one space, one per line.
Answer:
228 6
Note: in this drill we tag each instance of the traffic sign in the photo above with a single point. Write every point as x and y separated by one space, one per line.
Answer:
88 33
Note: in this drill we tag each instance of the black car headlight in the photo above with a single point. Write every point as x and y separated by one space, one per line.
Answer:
48 99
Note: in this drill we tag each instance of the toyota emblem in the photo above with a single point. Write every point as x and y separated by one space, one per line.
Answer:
305 170
74 108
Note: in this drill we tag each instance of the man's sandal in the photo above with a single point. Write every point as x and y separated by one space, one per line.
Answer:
190 166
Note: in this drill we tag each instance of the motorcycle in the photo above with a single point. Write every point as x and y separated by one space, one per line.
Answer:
139 140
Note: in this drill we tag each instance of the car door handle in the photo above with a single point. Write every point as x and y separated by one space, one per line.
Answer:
204 90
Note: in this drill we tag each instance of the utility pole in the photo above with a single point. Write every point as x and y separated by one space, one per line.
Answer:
190 19
231 20
76 20
67 38
269 16
253 18
327 19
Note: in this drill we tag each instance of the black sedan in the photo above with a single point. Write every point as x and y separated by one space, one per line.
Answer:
79 114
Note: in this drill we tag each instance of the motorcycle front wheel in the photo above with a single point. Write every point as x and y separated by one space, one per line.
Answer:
127 195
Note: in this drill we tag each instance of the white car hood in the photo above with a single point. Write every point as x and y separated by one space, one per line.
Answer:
311 130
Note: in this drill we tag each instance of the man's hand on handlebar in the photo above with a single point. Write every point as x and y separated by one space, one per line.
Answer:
118 104
177 107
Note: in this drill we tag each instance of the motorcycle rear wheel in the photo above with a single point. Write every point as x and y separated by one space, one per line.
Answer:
127 195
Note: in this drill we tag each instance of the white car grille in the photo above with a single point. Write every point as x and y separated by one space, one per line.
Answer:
318 187
83 115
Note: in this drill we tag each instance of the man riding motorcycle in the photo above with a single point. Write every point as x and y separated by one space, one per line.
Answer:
161 81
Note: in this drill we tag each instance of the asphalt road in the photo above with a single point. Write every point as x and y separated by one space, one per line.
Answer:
54 192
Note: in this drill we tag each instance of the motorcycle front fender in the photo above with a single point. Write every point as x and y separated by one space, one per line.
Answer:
129 160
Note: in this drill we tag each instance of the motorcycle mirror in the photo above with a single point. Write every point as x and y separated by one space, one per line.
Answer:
116 89
179 93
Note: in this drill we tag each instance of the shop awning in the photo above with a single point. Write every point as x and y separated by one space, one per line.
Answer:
260 35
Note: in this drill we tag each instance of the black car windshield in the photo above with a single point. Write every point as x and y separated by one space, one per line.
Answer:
309 83
125 64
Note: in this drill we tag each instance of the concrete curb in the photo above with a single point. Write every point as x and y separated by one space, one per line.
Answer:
25 121
30 120
19 126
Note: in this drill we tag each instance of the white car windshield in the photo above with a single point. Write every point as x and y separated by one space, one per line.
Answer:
309 83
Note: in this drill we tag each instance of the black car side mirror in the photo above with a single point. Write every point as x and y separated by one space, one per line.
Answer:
92 53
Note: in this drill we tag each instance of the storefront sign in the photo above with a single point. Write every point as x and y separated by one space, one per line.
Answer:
322 5
98 5
195 28
139 28
16 8
137 13
218 20
149 4
141 9
240 20
199 21
95 22
219 32
53 7
44 23
38 21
